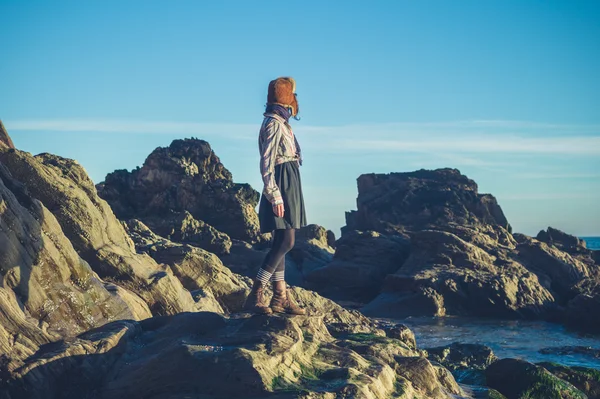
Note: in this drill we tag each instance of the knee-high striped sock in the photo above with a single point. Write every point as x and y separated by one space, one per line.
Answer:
278 276
263 276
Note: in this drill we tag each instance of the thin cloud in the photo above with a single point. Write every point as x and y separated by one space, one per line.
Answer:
458 137
130 126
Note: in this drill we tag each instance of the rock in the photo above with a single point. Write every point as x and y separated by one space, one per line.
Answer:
425 199
585 379
311 251
46 290
583 312
459 356
361 262
558 270
186 176
447 275
196 268
5 140
401 332
560 239
183 228
64 188
244 258
183 355
519 379
423 376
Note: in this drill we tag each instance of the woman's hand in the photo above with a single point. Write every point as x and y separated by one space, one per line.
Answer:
278 210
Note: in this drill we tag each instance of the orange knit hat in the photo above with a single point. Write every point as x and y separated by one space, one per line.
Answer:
282 91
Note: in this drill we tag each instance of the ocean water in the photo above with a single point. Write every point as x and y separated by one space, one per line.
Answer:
511 338
592 242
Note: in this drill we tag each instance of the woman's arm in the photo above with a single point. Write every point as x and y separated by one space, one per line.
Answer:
270 139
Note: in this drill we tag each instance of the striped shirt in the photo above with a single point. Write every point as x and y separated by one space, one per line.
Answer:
276 144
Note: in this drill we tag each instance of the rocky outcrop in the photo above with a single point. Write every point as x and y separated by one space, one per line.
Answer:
5 140
47 291
64 188
361 262
425 199
459 258
458 356
447 275
201 272
186 176
518 379
261 356
585 379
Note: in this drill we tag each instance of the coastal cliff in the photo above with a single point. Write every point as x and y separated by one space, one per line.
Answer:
134 287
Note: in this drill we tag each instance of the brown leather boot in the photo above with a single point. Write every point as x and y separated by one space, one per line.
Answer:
256 301
282 302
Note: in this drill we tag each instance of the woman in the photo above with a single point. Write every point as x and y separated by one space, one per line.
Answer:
281 209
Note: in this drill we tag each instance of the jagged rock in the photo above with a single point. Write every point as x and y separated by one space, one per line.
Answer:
560 239
519 379
585 379
64 188
260 356
425 199
311 251
183 228
186 176
46 290
361 262
196 268
446 275
583 311
557 270
401 332
5 140
462 356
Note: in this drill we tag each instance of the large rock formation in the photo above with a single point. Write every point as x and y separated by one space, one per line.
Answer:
204 354
518 379
425 199
460 257
46 289
186 176
64 188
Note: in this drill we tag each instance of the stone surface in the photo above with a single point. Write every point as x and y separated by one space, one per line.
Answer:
185 176
361 262
518 379
585 379
256 357
199 271
64 188
447 275
462 356
5 140
425 199
181 227
47 290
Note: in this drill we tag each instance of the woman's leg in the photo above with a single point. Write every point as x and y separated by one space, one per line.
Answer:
274 264
283 241
281 301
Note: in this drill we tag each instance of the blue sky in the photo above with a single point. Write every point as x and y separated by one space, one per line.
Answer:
506 91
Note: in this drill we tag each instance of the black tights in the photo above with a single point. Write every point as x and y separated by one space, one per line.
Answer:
283 242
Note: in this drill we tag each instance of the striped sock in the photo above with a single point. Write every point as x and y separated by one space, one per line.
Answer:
278 276
263 276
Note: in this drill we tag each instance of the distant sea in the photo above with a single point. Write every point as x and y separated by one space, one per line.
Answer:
592 242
